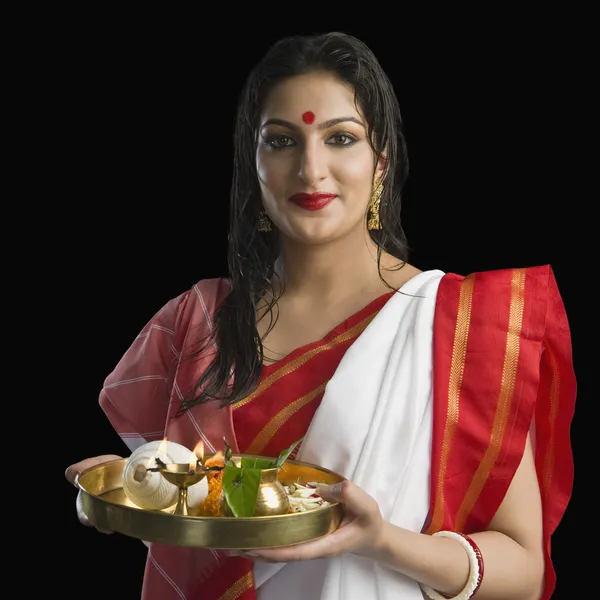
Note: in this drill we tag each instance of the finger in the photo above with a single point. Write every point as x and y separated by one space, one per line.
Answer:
72 471
83 519
80 514
342 540
354 498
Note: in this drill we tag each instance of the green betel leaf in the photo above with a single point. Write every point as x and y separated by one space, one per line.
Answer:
284 455
257 463
240 486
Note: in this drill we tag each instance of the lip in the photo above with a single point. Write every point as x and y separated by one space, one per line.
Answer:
315 201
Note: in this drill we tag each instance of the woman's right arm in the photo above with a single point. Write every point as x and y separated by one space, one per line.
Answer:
136 394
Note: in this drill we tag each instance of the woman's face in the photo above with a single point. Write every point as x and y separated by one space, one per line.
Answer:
312 139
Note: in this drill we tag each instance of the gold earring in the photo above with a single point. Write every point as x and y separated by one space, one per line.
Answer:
374 206
264 223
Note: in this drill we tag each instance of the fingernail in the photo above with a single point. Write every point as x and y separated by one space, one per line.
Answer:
328 489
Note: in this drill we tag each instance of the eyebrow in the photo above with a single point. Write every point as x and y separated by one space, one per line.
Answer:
321 126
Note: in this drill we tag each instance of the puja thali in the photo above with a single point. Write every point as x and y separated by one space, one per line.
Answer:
108 507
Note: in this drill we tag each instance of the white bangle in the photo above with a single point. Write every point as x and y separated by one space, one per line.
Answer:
473 581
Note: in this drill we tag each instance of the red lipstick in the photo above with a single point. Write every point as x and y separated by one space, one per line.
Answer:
314 201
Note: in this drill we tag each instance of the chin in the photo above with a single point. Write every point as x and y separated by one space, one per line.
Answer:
314 234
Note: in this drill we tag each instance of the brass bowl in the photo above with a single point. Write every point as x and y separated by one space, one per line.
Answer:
108 508
271 500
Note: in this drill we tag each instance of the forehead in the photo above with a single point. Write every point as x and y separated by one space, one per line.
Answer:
320 93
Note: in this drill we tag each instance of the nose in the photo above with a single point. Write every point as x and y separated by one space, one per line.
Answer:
313 164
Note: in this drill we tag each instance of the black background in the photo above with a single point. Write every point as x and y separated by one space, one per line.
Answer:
135 129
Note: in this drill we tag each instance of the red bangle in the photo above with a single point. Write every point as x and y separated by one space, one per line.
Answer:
479 559
475 568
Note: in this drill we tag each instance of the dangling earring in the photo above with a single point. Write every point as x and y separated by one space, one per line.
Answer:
264 223
374 206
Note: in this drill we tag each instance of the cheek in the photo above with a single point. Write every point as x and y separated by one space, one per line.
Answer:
261 163
260 166
269 169
356 168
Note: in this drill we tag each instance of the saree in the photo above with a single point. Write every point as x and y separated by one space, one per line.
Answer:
501 354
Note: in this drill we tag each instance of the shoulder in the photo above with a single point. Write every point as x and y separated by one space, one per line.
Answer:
200 301
529 280
500 274
205 291
209 292
501 298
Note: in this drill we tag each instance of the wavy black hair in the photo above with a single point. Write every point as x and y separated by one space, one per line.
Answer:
252 255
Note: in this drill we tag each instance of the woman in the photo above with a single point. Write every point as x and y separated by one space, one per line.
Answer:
459 390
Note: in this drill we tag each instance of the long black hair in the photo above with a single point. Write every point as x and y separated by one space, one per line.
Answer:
252 254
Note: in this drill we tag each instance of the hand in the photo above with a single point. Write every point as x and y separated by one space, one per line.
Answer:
72 474
360 532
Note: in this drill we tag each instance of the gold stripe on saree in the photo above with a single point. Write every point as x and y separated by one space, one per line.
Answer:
457 367
243 584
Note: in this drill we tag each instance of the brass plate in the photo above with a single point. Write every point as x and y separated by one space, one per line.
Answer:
107 507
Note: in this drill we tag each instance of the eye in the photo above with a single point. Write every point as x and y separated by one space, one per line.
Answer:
341 139
280 141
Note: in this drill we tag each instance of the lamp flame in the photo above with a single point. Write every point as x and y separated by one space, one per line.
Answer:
161 452
199 451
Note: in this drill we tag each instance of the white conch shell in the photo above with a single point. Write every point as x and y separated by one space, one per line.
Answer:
153 491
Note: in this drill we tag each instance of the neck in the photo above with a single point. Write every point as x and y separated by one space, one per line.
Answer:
329 270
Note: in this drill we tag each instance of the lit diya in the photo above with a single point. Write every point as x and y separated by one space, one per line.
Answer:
162 474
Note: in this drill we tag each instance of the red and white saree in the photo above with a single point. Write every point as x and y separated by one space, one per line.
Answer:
450 375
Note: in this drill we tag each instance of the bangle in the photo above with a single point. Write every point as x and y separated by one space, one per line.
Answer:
475 567
479 560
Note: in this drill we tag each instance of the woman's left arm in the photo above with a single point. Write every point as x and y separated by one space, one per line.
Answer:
512 548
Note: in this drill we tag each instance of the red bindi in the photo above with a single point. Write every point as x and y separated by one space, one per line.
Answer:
308 117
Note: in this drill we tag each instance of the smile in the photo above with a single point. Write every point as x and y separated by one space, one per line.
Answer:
314 201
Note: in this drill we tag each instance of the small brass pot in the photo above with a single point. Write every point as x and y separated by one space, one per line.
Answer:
272 498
